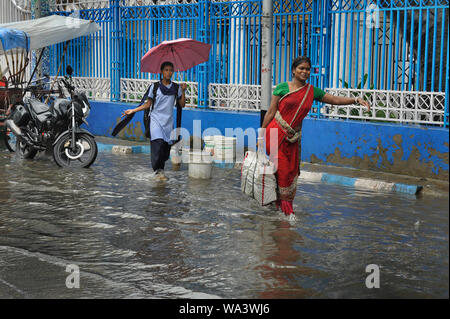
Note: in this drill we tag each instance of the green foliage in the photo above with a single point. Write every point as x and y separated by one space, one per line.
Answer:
360 85
381 114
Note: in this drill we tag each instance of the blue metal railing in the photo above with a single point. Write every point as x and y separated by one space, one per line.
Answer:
236 42
389 45
90 55
115 40
293 33
146 26
359 44
203 69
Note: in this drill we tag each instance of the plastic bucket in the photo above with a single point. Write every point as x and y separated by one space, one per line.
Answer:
175 156
225 148
199 157
185 154
200 165
209 144
200 170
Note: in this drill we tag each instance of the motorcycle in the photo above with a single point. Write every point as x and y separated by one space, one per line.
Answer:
31 125
39 127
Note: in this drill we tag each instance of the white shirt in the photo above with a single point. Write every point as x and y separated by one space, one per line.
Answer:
161 117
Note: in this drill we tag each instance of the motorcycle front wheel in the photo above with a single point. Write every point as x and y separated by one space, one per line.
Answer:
82 156
10 140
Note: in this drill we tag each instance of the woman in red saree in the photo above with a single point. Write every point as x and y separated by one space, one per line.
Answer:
291 102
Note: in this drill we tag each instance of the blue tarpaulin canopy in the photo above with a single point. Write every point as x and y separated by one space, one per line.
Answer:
12 39
43 32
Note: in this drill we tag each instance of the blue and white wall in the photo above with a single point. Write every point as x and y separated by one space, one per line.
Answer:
409 150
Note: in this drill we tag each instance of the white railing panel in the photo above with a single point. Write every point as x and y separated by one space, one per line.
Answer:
391 106
70 5
164 2
387 106
14 10
132 90
98 89
235 97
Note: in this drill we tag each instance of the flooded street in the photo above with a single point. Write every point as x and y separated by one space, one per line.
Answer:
133 237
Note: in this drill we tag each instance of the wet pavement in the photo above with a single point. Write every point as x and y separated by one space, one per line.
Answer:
431 187
133 237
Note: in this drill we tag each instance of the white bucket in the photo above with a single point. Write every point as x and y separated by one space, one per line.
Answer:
199 157
175 156
200 165
225 148
185 154
209 144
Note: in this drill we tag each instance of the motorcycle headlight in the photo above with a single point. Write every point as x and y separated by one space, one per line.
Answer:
86 109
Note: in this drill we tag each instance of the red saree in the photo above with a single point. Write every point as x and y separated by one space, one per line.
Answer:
293 107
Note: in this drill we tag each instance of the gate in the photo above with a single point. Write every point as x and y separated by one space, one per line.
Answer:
401 63
143 27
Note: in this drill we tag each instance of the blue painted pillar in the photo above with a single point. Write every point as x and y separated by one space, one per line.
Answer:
447 79
114 40
203 35
40 9
327 44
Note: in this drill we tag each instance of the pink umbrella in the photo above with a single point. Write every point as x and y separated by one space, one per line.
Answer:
183 53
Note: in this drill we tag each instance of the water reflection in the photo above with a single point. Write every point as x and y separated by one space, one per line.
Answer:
281 267
137 238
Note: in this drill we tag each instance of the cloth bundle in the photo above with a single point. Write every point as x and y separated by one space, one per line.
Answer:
258 178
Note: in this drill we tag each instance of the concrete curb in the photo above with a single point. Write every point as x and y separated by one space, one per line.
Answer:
124 149
361 183
224 164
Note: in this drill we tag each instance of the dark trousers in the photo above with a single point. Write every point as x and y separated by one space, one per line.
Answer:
160 153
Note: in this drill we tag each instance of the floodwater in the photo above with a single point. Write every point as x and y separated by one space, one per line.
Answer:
132 237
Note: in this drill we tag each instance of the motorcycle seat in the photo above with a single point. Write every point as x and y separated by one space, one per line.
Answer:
38 107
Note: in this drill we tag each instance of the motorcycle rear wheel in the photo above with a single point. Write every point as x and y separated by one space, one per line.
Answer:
82 156
10 140
24 151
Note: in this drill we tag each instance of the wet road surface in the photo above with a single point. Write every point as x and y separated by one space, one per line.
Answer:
133 237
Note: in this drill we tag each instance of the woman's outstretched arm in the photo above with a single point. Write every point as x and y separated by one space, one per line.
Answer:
144 106
342 100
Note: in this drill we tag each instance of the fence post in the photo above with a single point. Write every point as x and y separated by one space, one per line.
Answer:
266 59
447 78
40 9
320 44
114 39
203 69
